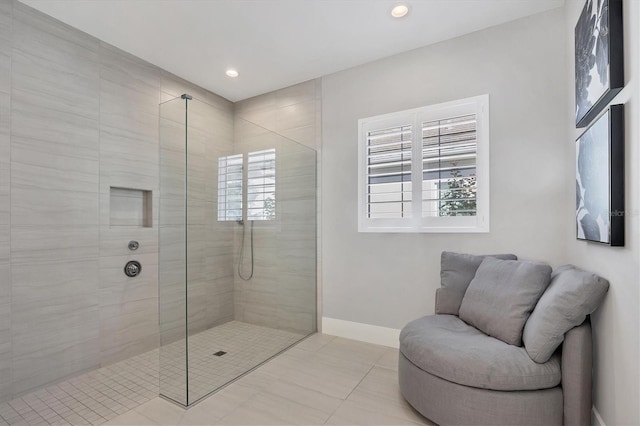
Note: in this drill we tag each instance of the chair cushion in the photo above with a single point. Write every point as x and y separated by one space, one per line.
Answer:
502 295
456 272
572 295
443 345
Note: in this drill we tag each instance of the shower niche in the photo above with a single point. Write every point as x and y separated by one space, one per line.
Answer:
130 207
237 248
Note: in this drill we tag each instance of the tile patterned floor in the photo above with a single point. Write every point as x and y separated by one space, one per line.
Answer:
103 394
246 345
92 398
322 380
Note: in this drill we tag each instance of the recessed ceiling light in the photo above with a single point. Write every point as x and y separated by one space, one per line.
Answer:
232 73
399 10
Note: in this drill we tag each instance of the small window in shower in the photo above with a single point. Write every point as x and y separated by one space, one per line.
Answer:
261 185
230 187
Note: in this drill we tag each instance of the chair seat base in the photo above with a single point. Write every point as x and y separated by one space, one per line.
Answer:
448 403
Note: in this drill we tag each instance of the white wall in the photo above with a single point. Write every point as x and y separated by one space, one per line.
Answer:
616 324
390 279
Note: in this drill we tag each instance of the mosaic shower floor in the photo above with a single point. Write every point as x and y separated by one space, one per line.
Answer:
103 394
245 346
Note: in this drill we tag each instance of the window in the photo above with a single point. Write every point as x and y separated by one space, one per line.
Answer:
230 187
261 185
426 169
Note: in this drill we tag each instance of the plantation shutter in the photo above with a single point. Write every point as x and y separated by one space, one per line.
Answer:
449 151
388 180
425 169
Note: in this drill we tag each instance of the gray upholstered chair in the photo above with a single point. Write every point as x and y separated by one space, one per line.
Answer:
454 373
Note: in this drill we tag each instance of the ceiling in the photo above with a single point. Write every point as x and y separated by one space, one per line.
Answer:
275 43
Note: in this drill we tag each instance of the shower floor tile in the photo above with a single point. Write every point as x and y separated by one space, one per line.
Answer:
245 346
100 395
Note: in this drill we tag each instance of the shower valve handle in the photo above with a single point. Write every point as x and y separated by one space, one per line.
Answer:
132 268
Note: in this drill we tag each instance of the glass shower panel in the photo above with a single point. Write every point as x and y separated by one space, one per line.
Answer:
296 240
281 229
172 270
237 247
209 251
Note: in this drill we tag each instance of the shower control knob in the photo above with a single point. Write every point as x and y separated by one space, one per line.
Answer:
133 245
132 268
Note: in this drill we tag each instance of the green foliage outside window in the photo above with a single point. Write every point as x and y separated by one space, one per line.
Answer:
460 196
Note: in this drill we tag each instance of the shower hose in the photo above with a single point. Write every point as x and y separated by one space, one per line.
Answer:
241 260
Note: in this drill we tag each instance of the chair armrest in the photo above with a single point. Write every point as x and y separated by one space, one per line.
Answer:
577 356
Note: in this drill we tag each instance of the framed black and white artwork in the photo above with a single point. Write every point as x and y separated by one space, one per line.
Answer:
600 180
598 58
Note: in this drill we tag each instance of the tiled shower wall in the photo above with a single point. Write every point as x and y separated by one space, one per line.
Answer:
5 207
210 243
77 117
286 285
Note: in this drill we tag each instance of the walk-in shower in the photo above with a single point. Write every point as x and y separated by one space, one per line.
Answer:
237 248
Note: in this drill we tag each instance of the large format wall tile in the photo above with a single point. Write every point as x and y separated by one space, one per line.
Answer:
5 250
173 86
5 208
129 155
128 306
54 320
206 258
5 199
32 244
293 112
6 17
128 329
5 329
5 181
39 206
5 155
54 209
282 293
77 117
172 221
129 98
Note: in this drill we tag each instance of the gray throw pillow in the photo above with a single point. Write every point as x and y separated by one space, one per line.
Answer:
456 272
502 295
572 295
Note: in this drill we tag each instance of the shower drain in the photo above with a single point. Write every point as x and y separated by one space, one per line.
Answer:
219 353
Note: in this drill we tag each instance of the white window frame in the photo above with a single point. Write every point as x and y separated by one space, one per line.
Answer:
478 105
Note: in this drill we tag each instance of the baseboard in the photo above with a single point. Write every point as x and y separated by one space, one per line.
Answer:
363 332
596 417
